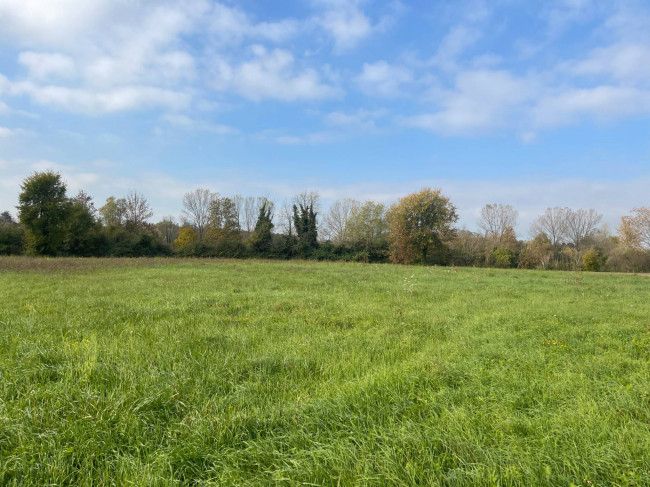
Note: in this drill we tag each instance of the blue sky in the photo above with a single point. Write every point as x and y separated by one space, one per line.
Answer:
533 104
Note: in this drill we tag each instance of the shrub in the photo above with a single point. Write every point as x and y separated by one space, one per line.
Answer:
591 261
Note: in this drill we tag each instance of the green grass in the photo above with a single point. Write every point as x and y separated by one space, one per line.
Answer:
171 372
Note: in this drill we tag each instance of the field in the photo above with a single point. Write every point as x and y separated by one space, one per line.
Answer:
174 372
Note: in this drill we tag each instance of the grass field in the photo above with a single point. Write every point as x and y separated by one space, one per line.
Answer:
172 372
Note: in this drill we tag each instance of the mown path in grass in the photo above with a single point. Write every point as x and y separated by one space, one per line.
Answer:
171 372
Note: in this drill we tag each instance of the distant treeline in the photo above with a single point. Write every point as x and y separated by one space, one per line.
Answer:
418 229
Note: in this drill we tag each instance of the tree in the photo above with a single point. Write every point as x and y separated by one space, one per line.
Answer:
285 218
168 229
5 217
136 211
80 227
86 201
113 212
336 219
537 253
634 230
419 224
496 219
249 213
11 235
223 221
43 208
260 239
366 226
553 223
304 220
580 224
196 208
186 236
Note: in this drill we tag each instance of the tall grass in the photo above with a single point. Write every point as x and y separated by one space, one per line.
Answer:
156 372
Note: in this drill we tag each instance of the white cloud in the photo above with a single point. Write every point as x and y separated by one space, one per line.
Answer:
383 79
453 44
271 74
232 25
603 103
627 63
96 102
480 102
44 65
5 133
345 23
187 123
362 119
34 22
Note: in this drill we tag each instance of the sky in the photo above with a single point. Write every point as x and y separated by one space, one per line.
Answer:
533 104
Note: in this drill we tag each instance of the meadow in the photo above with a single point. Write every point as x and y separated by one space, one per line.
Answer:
215 372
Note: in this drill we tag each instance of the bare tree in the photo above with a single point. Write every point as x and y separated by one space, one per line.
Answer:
496 219
336 219
137 210
196 208
553 223
581 223
168 229
238 201
284 217
307 199
249 213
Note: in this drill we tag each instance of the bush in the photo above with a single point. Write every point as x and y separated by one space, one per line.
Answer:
12 238
591 261
504 258
220 248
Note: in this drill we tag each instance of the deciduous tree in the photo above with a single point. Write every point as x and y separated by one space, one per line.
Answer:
580 224
43 209
113 212
420 223
634 230
196 208
553 223
496 219
136 211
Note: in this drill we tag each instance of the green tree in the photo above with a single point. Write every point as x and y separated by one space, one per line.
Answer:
304 220
367 228
420 224
43 209
261 237
113 211
81 229
11 235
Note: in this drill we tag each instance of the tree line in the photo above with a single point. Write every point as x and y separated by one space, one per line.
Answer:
420 228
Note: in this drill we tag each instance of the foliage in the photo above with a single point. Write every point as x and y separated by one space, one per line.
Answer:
12 238
504 258
420 226
591 261
223 222
43 209
635 229
304 220
186 236
260 239
537 253
183 372
113 212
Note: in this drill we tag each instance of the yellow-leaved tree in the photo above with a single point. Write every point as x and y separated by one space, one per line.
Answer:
186 236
